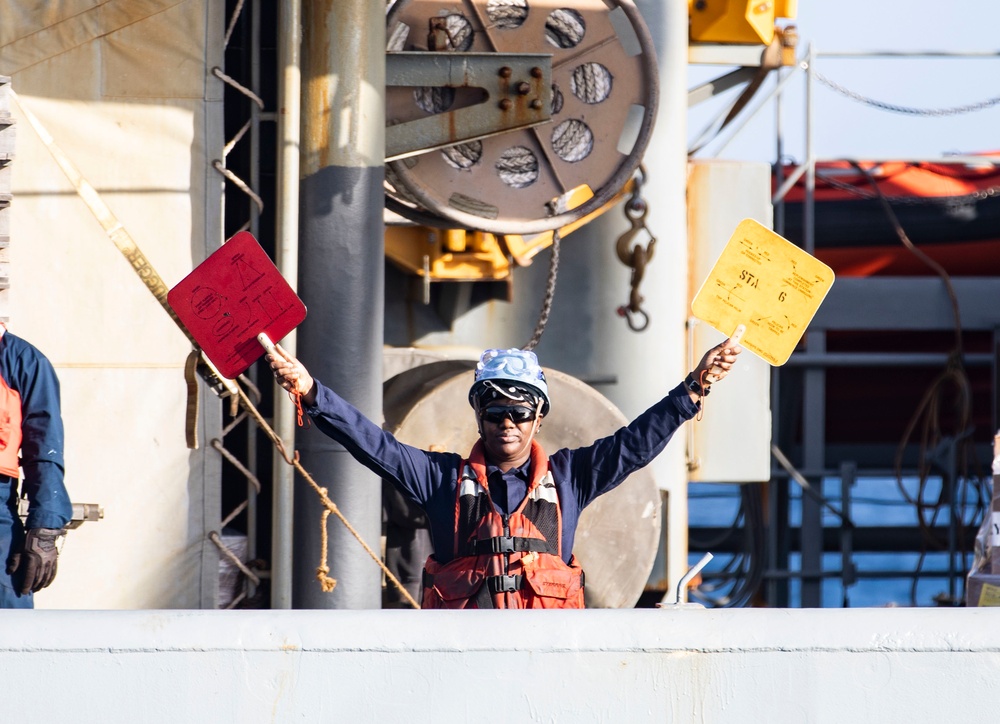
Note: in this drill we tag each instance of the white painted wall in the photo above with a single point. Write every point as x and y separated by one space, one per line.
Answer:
732 445
640 665
126 92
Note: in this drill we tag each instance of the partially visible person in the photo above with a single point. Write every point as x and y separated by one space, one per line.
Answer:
503 519
407 545
30 424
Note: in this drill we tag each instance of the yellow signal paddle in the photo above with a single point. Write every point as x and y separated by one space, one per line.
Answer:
763 291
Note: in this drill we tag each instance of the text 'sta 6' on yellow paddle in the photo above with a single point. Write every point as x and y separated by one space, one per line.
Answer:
764 287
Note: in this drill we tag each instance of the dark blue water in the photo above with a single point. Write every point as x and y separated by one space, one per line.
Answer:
901 579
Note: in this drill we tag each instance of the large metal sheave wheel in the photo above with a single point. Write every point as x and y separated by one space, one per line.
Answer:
602 106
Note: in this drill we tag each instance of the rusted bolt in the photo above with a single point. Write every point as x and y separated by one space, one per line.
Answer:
536 105
536 72
505 104
523 88
505 72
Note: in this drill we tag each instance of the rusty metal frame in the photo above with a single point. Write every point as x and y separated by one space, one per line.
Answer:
518 83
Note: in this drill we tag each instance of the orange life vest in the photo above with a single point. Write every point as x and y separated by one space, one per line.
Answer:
501 561
10 427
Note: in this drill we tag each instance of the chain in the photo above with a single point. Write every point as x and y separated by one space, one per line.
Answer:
961 200
883 106
636 255
550 293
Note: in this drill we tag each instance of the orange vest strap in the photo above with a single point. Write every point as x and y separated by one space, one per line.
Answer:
10 426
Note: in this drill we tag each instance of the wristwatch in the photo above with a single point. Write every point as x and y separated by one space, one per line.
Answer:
692 384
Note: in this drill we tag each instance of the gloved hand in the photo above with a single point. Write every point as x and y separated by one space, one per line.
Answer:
39 558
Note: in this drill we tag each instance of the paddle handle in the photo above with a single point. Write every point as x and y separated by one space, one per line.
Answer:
266 343
734 339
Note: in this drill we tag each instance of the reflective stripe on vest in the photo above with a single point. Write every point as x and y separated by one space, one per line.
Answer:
544 491
504 561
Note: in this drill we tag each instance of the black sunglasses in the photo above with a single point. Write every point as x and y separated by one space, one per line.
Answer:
517 414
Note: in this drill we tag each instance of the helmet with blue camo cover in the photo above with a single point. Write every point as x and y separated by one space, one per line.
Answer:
511 373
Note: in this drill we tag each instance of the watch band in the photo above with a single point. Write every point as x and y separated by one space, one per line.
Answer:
692 384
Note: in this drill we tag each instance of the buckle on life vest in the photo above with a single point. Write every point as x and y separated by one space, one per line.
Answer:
504 584
509 544
499 544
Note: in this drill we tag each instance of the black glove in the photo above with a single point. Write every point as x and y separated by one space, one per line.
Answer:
40 558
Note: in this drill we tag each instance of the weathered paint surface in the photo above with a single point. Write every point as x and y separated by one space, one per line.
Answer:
341 281
678 665
125 92
347 126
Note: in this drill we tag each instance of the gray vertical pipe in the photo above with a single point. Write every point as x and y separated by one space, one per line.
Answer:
287 260
779 152
814 396
255 118
809 207
813 458
341 281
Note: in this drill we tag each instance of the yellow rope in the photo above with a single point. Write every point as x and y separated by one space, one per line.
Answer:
155 284
323 570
